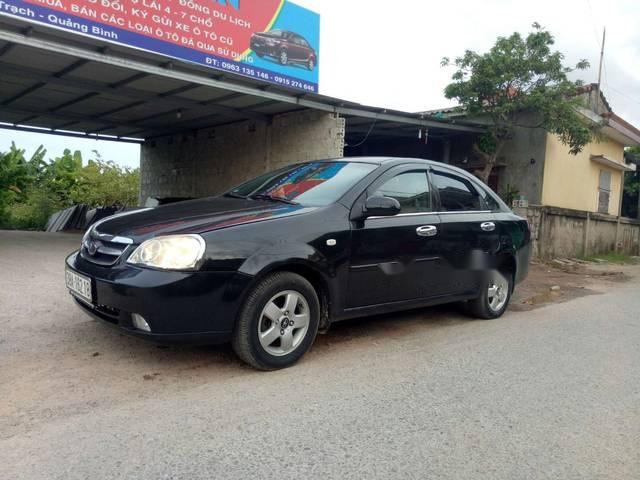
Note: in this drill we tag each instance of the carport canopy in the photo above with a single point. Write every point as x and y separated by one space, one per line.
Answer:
56 82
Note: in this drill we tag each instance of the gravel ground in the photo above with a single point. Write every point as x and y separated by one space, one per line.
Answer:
548 393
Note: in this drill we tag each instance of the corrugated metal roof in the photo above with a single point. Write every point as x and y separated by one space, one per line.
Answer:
62 82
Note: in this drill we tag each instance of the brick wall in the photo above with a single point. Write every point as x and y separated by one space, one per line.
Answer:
210 161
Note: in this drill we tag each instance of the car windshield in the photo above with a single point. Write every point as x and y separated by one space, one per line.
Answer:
310 184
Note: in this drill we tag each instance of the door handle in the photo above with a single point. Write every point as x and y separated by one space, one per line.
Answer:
427 231
488 226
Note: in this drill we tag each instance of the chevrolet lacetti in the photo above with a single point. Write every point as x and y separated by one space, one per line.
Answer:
271 262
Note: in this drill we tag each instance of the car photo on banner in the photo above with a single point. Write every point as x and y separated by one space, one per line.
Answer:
275 41
288 48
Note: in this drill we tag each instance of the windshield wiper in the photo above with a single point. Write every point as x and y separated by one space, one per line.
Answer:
264 196
234 195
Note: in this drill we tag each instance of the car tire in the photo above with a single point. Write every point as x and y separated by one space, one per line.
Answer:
278 322
283 58
494 299
311 64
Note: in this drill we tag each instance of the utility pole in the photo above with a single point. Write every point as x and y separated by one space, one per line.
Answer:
604 36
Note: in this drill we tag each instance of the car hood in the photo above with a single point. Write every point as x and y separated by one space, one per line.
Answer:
195 216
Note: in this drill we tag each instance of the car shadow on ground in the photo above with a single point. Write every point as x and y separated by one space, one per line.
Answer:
161 360
103 367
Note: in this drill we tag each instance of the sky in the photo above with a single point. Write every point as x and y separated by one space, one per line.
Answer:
125 154
387 53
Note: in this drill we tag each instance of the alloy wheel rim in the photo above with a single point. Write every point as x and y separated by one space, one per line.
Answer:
498 292
284 57
283 323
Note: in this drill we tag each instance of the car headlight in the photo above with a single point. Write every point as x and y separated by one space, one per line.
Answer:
171 252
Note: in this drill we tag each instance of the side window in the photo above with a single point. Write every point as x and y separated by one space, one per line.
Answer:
604 191
411 189
456 193
489 201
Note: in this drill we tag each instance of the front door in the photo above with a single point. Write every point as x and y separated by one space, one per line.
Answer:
395 259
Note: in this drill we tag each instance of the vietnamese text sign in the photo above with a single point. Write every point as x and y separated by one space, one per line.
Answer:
275 41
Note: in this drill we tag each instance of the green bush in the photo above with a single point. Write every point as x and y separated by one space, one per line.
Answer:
31 190
33 213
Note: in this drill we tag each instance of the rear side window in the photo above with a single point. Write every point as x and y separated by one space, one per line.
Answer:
456 193
300 41
489 201
411 189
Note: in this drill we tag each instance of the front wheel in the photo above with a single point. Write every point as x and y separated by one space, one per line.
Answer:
311 64
495 296
278 322
284 58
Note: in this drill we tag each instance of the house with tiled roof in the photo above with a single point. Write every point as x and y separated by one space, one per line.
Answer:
536 168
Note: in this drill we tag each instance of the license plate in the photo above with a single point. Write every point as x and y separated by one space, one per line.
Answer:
79 285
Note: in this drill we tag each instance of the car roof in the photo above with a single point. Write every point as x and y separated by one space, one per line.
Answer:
392 161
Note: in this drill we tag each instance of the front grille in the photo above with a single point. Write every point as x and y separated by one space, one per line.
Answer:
108 314
112 313
104 249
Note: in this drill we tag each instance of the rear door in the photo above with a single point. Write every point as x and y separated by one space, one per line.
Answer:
305 49
395 259
296 50
469 237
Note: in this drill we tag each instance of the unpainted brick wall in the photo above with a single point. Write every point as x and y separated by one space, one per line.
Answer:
210 161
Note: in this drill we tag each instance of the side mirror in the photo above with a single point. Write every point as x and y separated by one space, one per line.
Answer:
381 207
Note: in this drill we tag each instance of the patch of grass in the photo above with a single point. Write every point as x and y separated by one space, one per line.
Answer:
610 257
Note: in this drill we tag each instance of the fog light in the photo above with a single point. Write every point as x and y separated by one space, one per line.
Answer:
140 323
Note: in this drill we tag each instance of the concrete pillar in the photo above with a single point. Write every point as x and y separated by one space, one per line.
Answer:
586 237
637 175
446 150
216 159
617 245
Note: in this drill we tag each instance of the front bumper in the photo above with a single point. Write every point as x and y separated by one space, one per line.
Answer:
180 307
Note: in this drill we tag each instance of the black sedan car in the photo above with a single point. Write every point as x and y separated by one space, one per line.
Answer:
271 262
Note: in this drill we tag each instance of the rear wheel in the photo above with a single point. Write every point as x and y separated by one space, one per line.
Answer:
495 296
278 322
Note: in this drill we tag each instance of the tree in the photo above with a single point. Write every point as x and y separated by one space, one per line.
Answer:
60 176
102 183
517 77
16 175
31 190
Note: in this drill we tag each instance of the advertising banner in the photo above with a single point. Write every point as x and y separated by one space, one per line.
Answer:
276 41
